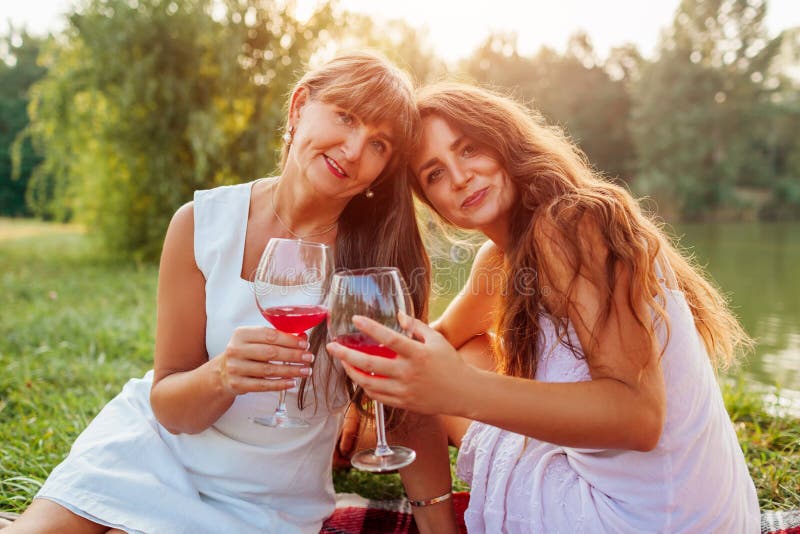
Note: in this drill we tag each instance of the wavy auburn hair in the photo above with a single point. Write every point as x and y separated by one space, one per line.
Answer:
382 230
556 188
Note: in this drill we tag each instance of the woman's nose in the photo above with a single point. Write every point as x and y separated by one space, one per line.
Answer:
354 143
461 177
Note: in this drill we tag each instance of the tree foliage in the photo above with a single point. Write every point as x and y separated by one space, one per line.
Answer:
704 110
397 40
574 90
782 144
138 104
18 71
143 105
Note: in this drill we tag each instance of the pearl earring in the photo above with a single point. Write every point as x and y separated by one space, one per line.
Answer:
369 193
288 135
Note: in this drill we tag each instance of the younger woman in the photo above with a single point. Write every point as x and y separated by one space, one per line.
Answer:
606 415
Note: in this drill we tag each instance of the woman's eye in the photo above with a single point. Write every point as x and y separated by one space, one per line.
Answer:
434 176
379 146
468 150
346 118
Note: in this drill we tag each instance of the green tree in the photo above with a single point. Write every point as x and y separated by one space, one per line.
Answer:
143 105
397 40
702 109
782 144
18 71
574 90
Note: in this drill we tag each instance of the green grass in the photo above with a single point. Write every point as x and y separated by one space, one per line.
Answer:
771 446
74 327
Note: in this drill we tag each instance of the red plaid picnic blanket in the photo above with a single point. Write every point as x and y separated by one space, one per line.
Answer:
773 522
357 515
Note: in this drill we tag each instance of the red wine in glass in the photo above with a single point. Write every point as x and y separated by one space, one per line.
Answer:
295 319
364 343
367 345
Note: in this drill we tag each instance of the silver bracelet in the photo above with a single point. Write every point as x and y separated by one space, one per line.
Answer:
434 500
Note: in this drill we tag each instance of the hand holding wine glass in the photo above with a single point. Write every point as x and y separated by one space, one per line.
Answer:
378 293
289 285
427 375
256 352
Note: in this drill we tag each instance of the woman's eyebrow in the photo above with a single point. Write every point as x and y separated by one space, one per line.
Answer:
430 163
434 159
386 137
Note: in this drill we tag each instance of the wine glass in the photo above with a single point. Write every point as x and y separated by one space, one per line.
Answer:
378 293
289 285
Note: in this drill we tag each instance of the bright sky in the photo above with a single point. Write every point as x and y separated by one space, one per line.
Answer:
455 27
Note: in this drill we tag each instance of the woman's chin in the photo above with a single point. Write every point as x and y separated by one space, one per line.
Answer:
476 221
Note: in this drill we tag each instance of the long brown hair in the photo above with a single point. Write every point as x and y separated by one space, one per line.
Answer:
381 230
557 188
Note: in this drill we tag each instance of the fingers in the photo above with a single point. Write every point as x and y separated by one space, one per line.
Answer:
241 384
272 353
249 368
417 329
384 335
257 356
371 383
371 365
378 388
253 343
270 336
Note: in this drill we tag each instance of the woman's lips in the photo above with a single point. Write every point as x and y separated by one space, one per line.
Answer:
475 198
334 167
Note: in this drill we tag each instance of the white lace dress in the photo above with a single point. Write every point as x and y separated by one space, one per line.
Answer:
695 480
125 470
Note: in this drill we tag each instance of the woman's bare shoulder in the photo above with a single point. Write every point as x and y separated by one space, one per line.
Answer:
179 240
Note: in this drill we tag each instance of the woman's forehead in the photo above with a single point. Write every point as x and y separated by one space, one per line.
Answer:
378 110
437 137
438 133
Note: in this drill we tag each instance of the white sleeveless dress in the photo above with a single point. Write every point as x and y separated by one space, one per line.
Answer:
695 480
126 471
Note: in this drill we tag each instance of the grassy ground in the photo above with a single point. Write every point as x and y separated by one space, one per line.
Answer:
74 327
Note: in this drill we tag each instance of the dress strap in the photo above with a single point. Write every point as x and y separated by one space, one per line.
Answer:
664 272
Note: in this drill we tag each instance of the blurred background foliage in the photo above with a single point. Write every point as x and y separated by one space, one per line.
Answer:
116 120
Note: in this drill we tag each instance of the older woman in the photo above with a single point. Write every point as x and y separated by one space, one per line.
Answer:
175 451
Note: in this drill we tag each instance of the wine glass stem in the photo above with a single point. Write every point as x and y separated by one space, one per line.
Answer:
281 409
381 449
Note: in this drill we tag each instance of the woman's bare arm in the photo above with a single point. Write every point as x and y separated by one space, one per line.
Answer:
190 392
471 312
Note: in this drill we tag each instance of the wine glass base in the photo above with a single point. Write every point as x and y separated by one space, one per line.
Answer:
368 461
280 421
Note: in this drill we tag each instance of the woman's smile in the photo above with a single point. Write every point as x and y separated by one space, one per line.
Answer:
334 167
475 198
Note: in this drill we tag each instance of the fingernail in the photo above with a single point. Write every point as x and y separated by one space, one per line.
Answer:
303 344
308 357
306 371
357 319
